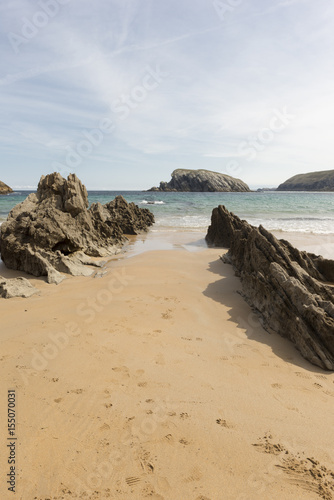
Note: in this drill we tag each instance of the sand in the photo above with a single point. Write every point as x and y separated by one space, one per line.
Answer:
155 380
319 244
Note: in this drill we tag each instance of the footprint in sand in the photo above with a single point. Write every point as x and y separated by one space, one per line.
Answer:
145 462
184 416
184 441
266 446
321 376
195 475
169 438
58 400
122 370
276 386
104 427
302 375
149 492
132 481
167 314
309 475
318 386
245 346
222 422
292 408
173 299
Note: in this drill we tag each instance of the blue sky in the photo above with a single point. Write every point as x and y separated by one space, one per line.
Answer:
122 92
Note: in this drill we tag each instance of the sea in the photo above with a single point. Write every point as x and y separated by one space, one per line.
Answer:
297 212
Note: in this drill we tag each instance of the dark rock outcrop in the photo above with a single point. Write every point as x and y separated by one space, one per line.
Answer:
313 181
53 230
287 287
201 180
4 189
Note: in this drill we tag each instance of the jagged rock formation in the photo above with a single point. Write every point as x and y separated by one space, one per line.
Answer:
53 231
16 287
4 189
288 288
313 181
201 180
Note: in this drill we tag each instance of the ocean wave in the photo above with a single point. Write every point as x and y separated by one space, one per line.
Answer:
183 222
151 202
302 218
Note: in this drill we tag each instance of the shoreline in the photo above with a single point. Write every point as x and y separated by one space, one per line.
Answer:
319 244
156 380
193 241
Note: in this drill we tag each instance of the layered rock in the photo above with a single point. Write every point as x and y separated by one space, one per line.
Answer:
16 287
53 230
201 180
287 287
313 181
4 189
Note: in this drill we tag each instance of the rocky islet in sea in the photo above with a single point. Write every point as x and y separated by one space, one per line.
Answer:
201 181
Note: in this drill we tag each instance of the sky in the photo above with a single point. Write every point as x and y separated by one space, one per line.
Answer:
122 92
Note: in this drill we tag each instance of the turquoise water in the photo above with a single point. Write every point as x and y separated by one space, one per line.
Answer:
279 211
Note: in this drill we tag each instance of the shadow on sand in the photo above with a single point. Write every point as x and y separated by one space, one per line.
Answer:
226 291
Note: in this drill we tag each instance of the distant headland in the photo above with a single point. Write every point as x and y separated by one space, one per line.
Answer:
312 181
4 189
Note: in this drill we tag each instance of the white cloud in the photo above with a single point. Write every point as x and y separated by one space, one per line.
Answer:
225 79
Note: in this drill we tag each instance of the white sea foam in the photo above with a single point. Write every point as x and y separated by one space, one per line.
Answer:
152 202
295 224
311 213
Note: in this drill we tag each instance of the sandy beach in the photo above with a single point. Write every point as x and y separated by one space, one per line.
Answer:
155 380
